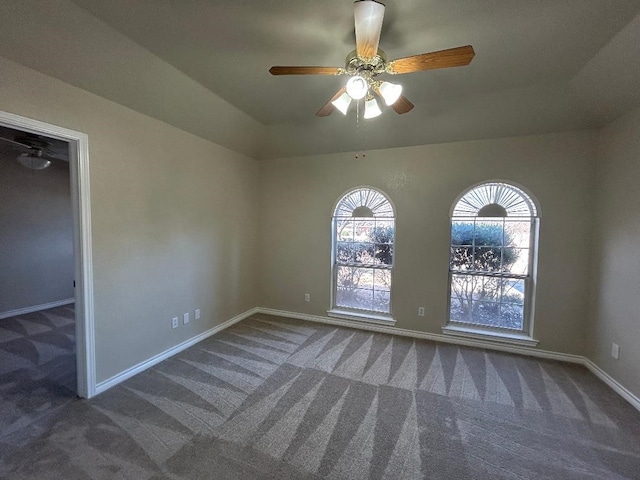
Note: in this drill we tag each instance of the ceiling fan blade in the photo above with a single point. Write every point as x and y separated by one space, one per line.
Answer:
328 107
368 15
402 105
19 144
56 156
453 57
305 71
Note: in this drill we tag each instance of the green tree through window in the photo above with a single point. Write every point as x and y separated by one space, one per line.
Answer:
364 230
490 257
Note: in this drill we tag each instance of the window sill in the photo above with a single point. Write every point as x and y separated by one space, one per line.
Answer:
361 317
493 336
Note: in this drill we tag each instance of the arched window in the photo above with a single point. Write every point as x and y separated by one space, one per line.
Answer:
363 226
491 261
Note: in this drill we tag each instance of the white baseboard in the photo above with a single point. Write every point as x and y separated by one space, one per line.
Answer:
614 384
36 308
521 350
436 337
130 372
562 357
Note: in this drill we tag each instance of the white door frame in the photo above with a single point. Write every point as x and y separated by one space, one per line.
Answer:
81 204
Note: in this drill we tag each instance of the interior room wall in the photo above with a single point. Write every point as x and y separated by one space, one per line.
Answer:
298 195
173 219
616 275
36 235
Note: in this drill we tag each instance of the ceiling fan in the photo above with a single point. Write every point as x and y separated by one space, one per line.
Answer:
36 151
365 64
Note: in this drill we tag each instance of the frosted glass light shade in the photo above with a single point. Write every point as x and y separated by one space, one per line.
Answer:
33 161
390 92
342 103
357 87
371 109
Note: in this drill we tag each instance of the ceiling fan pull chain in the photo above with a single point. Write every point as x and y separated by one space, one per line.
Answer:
357 127
362 138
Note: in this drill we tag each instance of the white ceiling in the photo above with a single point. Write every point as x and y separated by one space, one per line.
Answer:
540 65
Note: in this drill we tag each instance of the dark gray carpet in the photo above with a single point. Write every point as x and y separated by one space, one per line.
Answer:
274 398
37 366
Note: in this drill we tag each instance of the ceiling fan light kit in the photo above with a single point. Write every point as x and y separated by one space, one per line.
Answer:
367 62
371 108
357 87
32 161
38 151
342 103
390 92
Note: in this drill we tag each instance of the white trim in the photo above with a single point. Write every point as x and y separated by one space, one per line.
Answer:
142 366
82 242
490 336
522 350
532 197
614 384
361 317
36 308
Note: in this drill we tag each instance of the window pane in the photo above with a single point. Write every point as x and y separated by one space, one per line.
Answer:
462 289
487 301
383 231
382 280
515 260
344 252
461 232
487 259
487 288
513 291
461 258
363 288
363 253
344 229
511 316
354 277
381 301
486 313
517 233
489 232
363 229
352 285
384 254
458 311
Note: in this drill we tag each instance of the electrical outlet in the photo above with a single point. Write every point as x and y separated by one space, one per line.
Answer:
615 350
307 297
421 311
185 318
197 314
174 322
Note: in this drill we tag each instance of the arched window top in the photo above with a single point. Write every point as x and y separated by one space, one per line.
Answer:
495 199
364 202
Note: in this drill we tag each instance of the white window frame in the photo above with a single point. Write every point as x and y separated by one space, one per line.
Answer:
523 336
348 313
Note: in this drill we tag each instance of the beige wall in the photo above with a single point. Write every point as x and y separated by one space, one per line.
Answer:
181 223
173 219
63 40
616 277
298 195
36 234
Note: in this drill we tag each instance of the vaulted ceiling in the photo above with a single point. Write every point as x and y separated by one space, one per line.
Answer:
540 66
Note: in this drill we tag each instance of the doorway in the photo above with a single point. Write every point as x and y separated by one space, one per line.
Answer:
82 292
